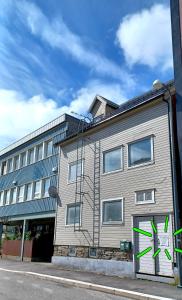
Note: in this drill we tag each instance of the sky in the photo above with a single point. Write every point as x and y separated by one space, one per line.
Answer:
55 56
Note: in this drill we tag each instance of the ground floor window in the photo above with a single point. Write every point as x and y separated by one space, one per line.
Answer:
73 214
112 211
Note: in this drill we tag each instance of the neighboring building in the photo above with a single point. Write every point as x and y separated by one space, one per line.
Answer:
116 174
28 168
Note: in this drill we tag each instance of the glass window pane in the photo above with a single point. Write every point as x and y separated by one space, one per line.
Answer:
39 153
1 198
112 160
31 156
16 162
37 189
148 195
71 216
21 193
48 148
3 168
23 159
112 211
140 152
46 187
140 196
73 170
7 197
29 191
13 195
10 165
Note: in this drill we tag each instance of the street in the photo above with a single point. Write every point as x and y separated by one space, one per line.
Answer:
19 287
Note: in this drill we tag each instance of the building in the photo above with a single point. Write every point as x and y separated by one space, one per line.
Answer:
116 175
28 168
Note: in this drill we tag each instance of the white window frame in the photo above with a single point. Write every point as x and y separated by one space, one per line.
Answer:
5 198
122 212
21 159
36 152
2 202
14 169
45 148
145 201
11 170
74 163
66 211
122 160
21 199
43 187
11 197
152 152
31 184
28 160
40 193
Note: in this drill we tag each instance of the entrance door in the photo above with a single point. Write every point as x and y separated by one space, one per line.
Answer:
161 264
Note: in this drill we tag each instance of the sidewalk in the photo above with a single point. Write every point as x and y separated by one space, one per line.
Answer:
136 285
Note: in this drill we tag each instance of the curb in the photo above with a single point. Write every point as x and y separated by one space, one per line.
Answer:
91 286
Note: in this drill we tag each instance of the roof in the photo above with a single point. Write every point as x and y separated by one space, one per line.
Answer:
35 133
101 98
129 105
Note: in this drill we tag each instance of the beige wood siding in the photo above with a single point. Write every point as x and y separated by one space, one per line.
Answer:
150 120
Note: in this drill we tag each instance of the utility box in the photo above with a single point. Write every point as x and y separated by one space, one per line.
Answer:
125 246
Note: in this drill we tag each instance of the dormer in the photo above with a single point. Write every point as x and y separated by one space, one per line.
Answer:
101 107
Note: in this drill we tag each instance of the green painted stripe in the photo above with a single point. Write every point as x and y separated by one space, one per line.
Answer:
167 254
142 231
166 224
153 227
178 231
140 254
178 250
156 253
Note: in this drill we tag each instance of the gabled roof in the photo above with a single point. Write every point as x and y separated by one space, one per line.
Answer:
102 99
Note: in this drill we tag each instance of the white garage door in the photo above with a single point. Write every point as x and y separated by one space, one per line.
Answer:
162 263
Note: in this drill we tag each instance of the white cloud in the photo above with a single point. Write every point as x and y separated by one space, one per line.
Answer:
145 38
20 116
57 34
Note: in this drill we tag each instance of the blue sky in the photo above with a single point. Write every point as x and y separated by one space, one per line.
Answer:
56 55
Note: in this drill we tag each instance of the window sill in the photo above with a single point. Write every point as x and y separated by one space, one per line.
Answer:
112 224
145 202
112 172
72 225
141 165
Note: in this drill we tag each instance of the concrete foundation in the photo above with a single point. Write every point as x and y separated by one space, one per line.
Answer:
102 266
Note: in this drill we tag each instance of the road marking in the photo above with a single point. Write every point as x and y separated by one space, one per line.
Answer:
91 286
6 278
35 285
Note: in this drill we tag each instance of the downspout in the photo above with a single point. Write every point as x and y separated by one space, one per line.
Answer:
174 175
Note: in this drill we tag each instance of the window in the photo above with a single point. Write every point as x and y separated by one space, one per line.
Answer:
28 194
16 162
48 148
39 152
112 211
3 168
140 152
37 189
147 196
112 160
46 185
21 193
10 165
1 198
13 195
7 197
75 169
23 157
31 156
73 214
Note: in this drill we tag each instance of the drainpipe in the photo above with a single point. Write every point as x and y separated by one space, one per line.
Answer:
23 240
174 180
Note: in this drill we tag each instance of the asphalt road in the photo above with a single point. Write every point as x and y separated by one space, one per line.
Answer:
19 287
